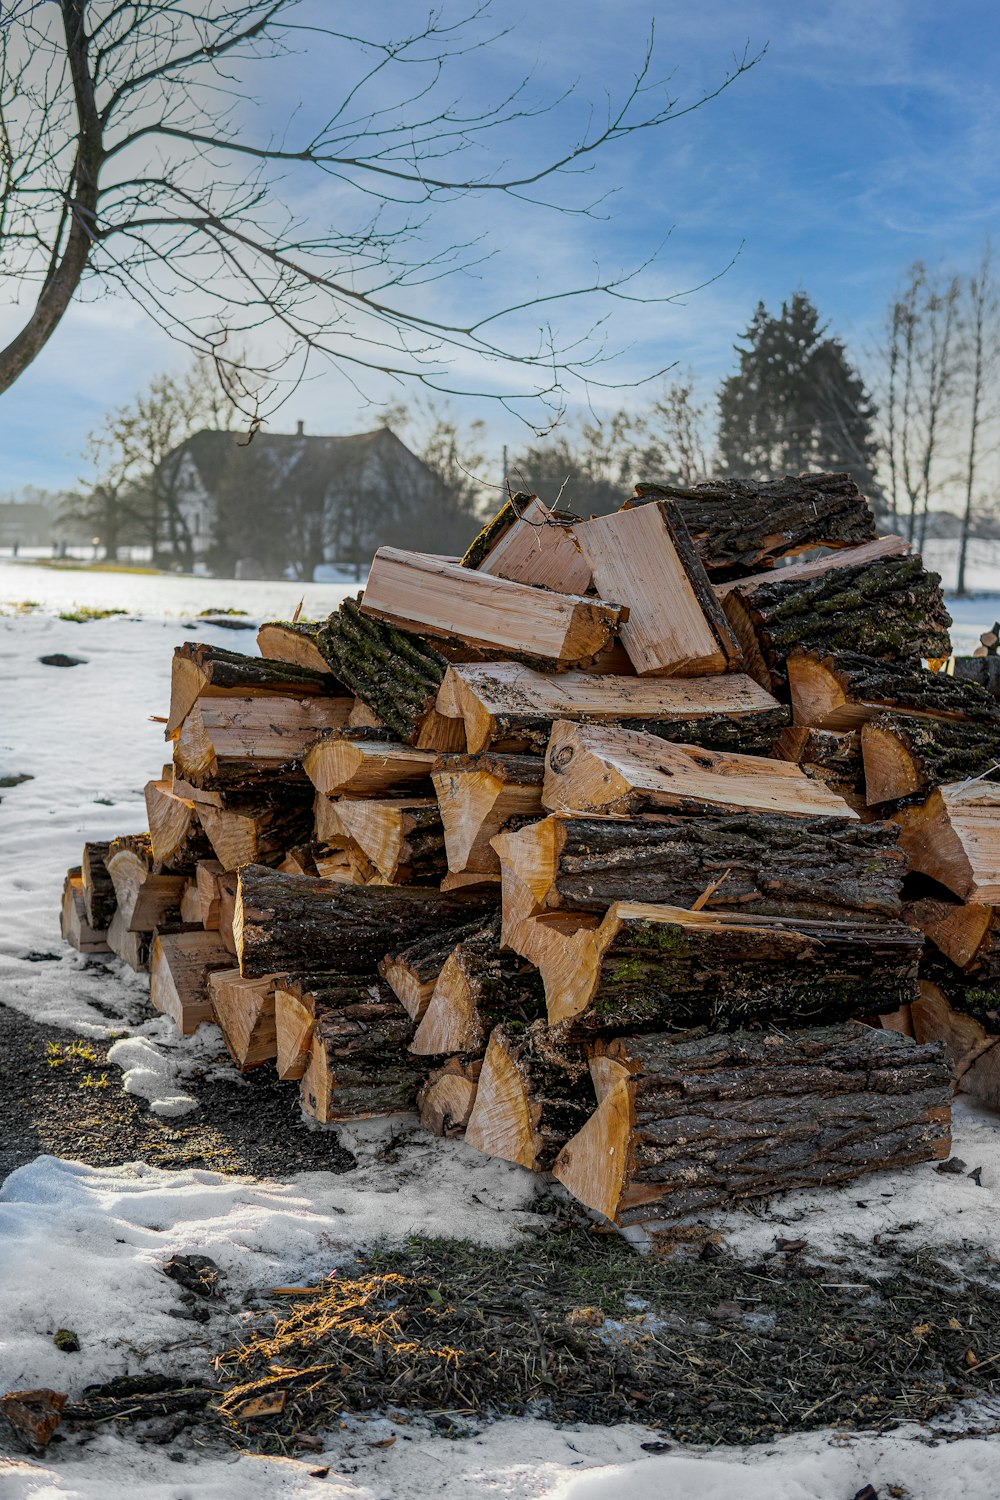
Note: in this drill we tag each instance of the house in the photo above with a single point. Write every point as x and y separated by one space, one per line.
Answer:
292 501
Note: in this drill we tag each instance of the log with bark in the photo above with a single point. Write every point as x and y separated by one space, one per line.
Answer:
446 1097
244 1012
533 1094
98 890
684 1126
845 690
658 968
210 671
966 932
287 923
145 897
395 673
645 558
401 836
344 763
766 863
828 755
179 966
527 542
954 837
236 743
906 756
599 768
892 608
455 603
477 797
73 921
358 1063
412 970
258 829
741 526
177 838
480 984
510 707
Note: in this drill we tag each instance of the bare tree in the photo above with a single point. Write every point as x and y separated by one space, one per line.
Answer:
677 427
922 357
982 333
134 151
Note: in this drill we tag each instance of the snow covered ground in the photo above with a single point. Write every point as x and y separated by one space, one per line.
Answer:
81 1247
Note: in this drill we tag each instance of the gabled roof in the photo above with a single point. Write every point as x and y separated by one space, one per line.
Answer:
210 451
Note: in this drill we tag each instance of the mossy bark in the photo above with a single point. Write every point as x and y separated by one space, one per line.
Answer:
945 750
663 977
230 670
907 685
740 526
746 734
891 609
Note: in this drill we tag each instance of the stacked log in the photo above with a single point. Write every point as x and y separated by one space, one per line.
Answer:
611 847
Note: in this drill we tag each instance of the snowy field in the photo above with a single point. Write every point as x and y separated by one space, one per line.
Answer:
81 1247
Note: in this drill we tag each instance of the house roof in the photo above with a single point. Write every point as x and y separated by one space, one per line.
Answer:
210 450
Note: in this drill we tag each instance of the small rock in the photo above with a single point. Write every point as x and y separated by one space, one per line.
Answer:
867 1492
954 1166
196 1273
977 1176
15 780
790 1247
34 1415
66 1340
60 659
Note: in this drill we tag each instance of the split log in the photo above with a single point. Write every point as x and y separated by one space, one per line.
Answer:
890 608
403 838
684 1126
412 971
244 1012
477 798
507 706
363 768
295 643
442 599
905 756
190 905
536 546
226 744
533 1095
358 1059
740 526
844 691
395 673
954 837
445 1099
967 933
177 838
658 968
645 557
145 898
74 924
258 830
228 886
179 966
828 755
98 891
766 863
603 769
207 880
294 1018
964 1037
480 985
284 923
210 671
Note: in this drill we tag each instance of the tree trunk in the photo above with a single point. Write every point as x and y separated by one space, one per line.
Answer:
891 609
740 526
767 863
685 1126
284 923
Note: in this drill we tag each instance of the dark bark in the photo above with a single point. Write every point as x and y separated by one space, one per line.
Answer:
719 1119
232 670
527 734
359 1061
422 857
740 526
503 987
662 976
945 750
556 1082
773 864
98 890
295 922
426 957
975 993
904 685
891 609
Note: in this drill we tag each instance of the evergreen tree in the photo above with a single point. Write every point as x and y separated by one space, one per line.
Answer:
796 403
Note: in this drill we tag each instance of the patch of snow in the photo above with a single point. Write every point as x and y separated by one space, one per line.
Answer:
148 1072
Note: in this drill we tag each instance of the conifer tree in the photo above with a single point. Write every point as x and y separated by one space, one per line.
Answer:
796 403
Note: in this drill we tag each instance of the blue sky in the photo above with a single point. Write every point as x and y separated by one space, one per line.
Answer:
864 139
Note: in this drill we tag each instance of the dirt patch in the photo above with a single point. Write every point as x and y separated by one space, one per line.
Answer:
578 1328
62 1097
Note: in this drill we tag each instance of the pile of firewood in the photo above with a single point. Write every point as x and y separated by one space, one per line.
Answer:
612 845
